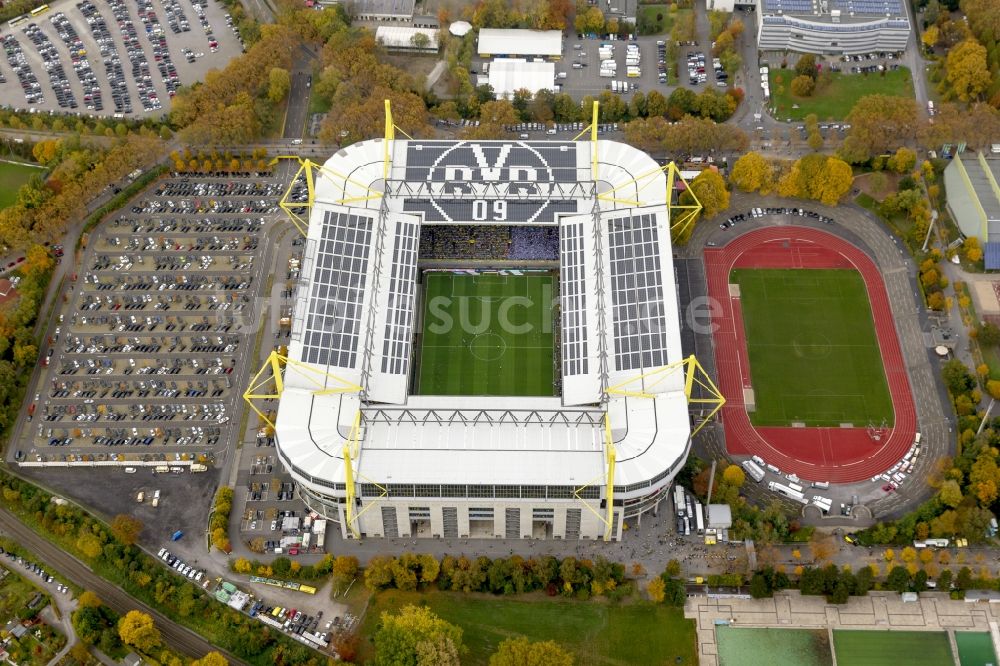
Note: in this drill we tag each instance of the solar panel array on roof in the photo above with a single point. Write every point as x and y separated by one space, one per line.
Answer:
465 170
788 6
337 290
400 304
574 300
638 314
893 7
992 256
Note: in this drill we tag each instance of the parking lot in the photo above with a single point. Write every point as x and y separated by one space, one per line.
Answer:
147 359
122 57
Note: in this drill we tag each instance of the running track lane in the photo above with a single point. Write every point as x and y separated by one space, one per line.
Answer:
839 455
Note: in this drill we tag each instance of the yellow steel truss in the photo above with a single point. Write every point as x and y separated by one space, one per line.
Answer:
308 168
325 384
682 216
276 363
350 451
694 376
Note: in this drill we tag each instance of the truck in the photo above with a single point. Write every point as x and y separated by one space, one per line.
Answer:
607 73
633 72
176 536
199 467
753 470
161 469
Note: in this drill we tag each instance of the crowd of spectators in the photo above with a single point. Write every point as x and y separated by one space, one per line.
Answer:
489 242
534 243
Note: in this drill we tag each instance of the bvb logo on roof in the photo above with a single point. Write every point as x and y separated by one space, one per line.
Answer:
478 180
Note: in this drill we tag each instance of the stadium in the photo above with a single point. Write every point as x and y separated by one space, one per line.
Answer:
486 340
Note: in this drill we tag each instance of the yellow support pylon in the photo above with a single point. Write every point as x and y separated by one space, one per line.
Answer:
277 363
694 376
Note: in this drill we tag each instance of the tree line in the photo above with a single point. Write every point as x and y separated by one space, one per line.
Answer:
570 577
139 574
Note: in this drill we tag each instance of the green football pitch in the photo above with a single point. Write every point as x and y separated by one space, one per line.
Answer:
888 648
487 334
814 356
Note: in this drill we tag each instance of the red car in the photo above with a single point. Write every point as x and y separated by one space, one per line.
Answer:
888 487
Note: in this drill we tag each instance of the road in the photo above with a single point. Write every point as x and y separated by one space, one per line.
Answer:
178 638
298 96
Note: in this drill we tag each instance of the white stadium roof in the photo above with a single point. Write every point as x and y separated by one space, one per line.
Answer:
354 323
503 42
510 74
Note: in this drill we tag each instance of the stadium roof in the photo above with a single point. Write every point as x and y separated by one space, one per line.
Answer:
496 42
510 74
401 37
354 318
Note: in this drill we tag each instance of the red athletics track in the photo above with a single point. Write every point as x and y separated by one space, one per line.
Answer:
840 455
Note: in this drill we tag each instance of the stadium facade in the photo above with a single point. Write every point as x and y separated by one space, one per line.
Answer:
372 454
832 27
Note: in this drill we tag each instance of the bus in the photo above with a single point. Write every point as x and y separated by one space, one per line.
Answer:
786 491
699 517
679 502
38 11
753 469
17 20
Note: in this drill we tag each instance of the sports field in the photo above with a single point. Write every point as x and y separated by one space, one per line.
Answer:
892 648
814 356
12 177
975 648
773 647
602 634
487 334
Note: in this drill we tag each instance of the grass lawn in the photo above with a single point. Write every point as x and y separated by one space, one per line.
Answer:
647 17
15 593
890 648
814 357
12 177
595 632
487 334
773 647
837 99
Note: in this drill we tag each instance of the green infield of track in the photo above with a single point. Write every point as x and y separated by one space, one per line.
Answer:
487 334
892 648
814 357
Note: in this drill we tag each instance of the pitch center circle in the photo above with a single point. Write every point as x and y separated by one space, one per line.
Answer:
488 347
821 348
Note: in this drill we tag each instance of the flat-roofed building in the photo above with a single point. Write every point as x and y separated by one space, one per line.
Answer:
540 43
832 27
404 38
510 74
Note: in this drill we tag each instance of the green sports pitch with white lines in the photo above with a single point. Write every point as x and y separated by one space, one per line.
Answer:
488 334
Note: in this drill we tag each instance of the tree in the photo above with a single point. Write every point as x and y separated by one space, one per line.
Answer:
898 579
814 140
137 629
345 568
752 172
88 599
903 161
211 659
522 652
126 528
950 493
989 333
673 568
656 589
879 123
734 476
806 66
803 86
759 587
420 40
825 179
710 189
966 70
416 637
